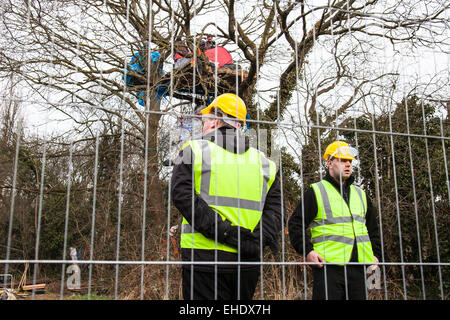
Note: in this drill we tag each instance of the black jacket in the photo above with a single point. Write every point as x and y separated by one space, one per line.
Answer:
205 218
306 211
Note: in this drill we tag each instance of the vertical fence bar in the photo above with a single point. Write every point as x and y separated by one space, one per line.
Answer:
430 180
416 213
169 211
66 219
216 67
119 208
148 101
397 207
38 226
168 237
13 197
94 204
259 144
378 199
144 198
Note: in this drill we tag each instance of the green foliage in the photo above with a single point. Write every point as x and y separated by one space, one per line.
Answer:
407 171
291 188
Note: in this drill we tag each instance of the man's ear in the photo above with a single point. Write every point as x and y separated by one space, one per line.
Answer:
218 123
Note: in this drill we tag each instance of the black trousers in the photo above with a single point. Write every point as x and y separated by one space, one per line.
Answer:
203 285
337 287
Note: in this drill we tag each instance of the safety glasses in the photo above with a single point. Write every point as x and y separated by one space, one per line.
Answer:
345 152
217 114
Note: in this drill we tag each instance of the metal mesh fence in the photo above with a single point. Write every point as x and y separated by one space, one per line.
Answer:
96 106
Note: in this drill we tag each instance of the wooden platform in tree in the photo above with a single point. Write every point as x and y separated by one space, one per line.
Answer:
206 81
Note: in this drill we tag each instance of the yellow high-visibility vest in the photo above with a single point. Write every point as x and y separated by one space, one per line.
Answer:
233 185
337 225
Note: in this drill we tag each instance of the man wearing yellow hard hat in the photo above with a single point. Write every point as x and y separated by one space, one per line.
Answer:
343 232
229 196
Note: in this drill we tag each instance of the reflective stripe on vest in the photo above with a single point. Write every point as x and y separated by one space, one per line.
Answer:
228 183
337 225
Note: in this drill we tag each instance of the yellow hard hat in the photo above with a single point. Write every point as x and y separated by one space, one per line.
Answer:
340 150
230 104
